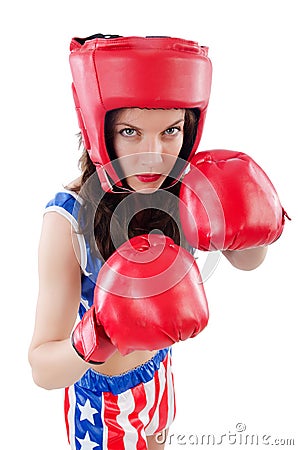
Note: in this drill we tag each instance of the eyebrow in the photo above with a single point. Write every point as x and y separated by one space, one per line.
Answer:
140 129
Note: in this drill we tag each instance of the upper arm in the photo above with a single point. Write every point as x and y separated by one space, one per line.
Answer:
59 281
247 259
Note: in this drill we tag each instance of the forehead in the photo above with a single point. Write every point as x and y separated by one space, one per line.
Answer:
137 116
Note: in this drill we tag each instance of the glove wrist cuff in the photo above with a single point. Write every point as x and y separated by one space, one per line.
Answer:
74 345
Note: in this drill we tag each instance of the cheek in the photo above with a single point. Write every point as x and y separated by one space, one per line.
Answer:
120 148
174 147
180 144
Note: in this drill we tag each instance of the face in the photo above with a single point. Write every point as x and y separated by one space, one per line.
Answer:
148 143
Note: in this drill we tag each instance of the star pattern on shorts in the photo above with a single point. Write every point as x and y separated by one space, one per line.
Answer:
86 443
87 412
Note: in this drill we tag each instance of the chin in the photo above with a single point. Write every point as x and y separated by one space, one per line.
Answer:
149 190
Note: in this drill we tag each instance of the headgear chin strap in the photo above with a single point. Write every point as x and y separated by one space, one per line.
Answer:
111 72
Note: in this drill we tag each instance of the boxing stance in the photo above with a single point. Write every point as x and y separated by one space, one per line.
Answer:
127 268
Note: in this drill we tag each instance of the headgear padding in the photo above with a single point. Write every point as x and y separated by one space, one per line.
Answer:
140 72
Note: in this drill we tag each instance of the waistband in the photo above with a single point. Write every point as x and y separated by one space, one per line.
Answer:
117 384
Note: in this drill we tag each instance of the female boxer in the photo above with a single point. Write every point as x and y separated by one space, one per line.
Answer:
112 248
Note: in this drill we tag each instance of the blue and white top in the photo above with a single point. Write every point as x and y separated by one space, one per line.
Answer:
67 203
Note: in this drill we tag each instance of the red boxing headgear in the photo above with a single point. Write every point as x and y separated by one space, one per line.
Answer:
141 72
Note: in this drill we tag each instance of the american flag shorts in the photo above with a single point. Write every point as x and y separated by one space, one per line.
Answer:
118 412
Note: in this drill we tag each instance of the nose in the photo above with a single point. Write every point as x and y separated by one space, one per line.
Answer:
151 152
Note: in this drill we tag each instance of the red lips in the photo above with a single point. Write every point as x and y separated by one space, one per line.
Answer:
148 177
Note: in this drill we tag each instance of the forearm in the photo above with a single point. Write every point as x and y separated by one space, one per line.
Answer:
247 259
56 365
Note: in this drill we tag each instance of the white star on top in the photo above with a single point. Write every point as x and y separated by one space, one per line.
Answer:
87 412
86 444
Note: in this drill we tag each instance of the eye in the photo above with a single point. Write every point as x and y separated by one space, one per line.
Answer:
172 131
128 132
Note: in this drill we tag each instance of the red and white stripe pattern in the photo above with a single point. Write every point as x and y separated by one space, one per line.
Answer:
143 410
128 417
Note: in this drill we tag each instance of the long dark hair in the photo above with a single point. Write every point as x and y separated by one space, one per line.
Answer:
109 219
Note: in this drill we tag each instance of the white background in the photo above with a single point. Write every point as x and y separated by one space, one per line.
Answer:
243 368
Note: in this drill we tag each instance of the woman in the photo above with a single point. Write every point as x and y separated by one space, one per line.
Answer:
141 105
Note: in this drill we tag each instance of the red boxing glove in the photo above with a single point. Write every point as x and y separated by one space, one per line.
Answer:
229 203
90 340
149 294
